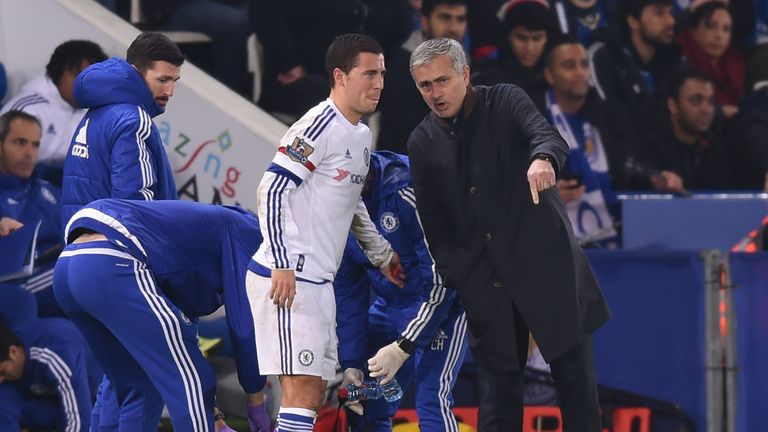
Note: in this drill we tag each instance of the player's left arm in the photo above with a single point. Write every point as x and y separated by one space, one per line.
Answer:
376 247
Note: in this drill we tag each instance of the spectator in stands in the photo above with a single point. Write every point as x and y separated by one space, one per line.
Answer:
596 136
295 36
390 22
749 128
49 97
582 18
686 144
44 377
706 43
225 24
484 32
26 199
632 58
528 24
402 107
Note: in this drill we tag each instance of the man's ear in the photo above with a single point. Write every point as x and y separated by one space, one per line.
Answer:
672 106
14 352
338 77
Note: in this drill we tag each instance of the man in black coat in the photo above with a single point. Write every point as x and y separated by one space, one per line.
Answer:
484 164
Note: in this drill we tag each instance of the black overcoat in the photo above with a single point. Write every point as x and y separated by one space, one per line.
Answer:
488 239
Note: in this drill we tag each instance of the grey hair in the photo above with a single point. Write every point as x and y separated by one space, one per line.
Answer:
430 49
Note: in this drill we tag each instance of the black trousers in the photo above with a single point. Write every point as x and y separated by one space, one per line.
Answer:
501 393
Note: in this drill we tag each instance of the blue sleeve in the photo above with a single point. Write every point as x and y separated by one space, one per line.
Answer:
352 290
67 367
238 248
10 408
436 298
132 172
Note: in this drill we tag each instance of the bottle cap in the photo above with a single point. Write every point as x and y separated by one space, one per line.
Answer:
343 393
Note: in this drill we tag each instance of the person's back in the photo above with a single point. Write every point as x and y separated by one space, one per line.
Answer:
58 382
187 245
133 278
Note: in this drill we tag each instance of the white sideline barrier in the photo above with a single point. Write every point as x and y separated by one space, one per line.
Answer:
219 143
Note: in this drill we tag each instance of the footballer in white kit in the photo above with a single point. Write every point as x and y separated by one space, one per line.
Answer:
309 198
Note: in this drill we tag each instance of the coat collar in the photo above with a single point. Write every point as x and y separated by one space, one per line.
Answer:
466 111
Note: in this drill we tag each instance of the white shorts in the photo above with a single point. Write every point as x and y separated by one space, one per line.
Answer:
297 341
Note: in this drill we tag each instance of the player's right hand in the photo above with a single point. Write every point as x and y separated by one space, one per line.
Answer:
283 287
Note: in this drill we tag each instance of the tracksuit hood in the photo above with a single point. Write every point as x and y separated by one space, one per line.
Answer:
114 81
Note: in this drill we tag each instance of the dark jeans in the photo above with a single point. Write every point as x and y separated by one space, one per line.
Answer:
501 393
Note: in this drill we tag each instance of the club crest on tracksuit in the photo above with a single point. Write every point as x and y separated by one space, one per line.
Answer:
389 222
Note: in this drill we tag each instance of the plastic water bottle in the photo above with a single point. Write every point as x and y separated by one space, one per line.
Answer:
390 391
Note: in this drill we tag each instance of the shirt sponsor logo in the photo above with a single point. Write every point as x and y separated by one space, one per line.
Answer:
342 174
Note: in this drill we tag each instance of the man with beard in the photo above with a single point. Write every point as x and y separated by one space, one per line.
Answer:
401 106
686 144
631 59
116 151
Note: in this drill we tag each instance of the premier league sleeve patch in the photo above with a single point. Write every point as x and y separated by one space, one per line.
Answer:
299 151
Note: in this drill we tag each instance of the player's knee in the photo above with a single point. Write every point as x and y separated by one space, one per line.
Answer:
302 391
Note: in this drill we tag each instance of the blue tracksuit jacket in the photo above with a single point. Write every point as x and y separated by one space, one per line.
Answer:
30 201
116 151
197 253
57 387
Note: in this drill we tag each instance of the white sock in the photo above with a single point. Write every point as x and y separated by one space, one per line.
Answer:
295 420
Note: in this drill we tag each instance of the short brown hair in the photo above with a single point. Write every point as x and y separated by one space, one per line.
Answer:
151 47
344 51
8 117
